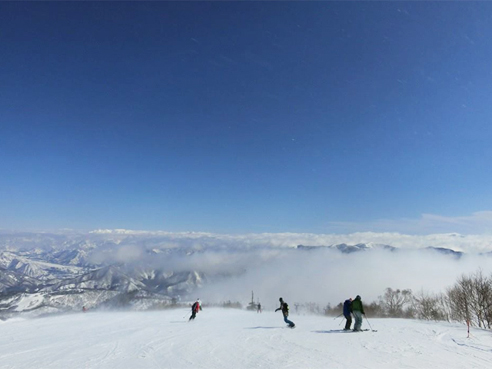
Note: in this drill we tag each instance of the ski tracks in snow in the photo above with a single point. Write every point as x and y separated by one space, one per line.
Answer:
225 338
473 347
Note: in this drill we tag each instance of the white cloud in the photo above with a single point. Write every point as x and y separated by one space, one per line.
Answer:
326 276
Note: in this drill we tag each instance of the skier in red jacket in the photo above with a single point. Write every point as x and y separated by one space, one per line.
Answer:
195 308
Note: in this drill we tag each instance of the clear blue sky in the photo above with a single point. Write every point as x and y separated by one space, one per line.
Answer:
243 117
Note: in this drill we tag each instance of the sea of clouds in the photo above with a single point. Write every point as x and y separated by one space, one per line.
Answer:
270 264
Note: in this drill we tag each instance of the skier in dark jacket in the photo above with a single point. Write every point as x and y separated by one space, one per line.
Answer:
347 313
195 308
285 311
358 311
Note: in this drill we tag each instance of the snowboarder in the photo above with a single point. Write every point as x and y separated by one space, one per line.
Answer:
347 313
197 306
285 311
358 311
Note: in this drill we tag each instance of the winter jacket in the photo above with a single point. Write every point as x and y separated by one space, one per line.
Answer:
357 305
347 308
284 307
196 307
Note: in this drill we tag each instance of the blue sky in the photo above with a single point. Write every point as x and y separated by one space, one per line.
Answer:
244 116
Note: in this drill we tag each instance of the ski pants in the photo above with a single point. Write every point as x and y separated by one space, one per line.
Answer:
288 321
358 320
349 321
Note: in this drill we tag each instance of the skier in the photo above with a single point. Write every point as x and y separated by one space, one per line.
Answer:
285 311
258 308
197 306
347 313
358 311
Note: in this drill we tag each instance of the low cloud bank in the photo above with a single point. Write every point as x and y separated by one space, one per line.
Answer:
327 276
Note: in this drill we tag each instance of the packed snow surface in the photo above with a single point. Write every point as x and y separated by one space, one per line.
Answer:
228 338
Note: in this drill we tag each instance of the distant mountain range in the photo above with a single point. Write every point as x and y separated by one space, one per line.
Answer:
43 273
348 249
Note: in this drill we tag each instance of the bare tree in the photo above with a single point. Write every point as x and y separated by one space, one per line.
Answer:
482 298
470 299
459 299
394 301
430 307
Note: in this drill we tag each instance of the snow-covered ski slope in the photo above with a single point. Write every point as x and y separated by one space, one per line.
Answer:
227 338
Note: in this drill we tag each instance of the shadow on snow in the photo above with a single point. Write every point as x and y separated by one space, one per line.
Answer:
333 331
263 327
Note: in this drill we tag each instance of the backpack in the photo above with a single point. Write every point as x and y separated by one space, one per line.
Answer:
285 308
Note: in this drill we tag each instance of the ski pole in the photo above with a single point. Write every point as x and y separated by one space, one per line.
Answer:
338 316
367 320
